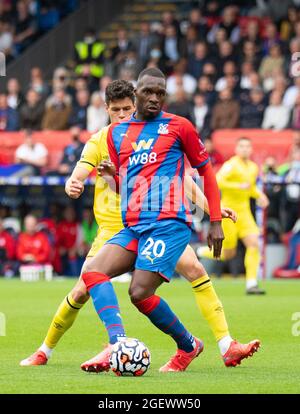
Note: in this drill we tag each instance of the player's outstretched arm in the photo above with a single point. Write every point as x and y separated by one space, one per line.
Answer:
199 159
75 184
195 194
215 235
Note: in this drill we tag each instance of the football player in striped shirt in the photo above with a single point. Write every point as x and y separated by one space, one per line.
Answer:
148 153
120 104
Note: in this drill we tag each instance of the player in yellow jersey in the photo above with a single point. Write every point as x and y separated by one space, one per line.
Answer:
237 182
120 104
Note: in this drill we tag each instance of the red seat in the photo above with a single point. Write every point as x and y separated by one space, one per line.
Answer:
55 142
4 159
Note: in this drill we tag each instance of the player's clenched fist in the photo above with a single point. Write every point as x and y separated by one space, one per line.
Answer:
106 168
74 188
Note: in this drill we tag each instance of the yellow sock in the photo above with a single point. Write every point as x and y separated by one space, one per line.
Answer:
252 258
62 321
210 306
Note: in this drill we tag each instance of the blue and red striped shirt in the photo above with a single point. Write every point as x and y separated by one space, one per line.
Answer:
149 159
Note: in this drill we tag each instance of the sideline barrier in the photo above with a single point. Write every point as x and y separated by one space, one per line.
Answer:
35 272
265 143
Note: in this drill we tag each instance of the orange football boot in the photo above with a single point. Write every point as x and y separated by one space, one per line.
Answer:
181 360
237 352
38 358
100 362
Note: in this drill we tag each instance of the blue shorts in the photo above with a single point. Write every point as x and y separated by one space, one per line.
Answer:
158 245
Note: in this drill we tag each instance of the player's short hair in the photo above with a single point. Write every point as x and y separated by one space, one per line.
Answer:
244 139
155 72
119 89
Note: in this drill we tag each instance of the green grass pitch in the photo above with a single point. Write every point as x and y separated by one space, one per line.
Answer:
29 307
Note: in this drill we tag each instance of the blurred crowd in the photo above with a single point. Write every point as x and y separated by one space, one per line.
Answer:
33 156
22 22
227 67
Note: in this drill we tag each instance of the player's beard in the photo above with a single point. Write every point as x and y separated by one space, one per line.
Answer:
148 114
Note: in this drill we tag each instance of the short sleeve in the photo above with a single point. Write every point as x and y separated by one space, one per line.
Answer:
91 153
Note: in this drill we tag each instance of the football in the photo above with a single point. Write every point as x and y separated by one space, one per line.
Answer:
130 357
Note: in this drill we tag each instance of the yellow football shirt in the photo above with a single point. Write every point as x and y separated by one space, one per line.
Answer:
107 204
232 174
